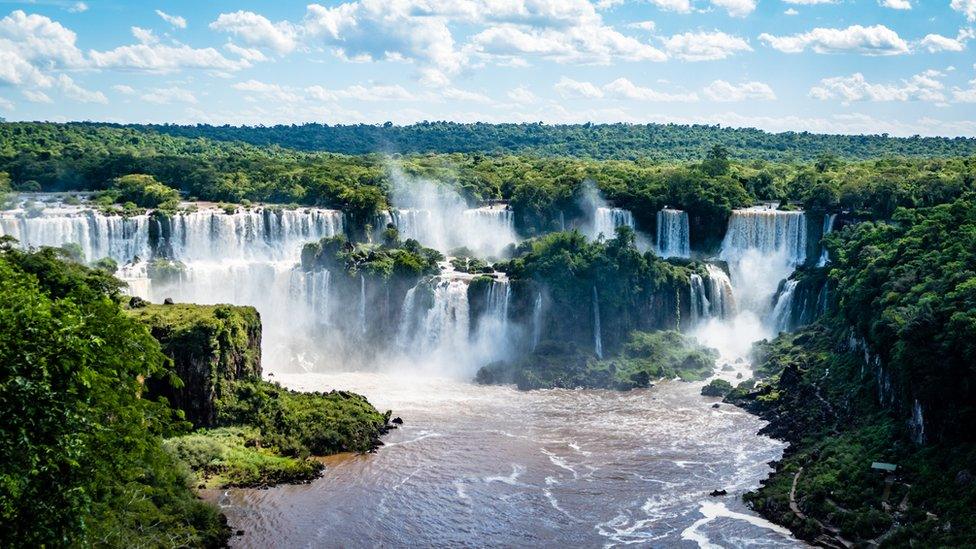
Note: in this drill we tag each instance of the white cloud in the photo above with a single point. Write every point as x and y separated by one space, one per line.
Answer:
895 4
723 91
736 8
573 89
123 89
165 96
362 93
144 36
583 44
966 7
164 58
16 70
457 94
275 92
622 88
36 96
704 46
791 12
680 6
72 90
175 20
921 87
649 26
256 30
521 94
6 105
874 40
936 42
40 40
810 2
78 7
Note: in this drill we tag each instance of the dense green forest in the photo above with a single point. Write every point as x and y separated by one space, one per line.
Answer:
597 141
541 189
886 376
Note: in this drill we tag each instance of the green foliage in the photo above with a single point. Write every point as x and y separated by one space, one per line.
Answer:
235 456
165 271
717 388
81 459
145 191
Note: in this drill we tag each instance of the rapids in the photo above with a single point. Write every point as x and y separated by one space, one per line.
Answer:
492 466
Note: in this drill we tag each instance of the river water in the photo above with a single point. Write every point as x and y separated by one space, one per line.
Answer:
492 466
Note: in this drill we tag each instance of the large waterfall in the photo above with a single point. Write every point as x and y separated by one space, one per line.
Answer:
120 238
673 233
484 231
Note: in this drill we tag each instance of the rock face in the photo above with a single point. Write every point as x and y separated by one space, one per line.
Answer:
209 345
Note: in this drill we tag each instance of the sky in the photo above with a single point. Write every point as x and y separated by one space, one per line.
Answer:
901 67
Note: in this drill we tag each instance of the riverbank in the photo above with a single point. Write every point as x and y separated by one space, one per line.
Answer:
476 462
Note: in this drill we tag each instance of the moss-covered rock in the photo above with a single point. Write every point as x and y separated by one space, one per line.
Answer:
209 345
717 388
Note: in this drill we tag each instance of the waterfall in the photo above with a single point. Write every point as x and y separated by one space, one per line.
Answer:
597 333
417 224
99 235
362 304
700 307
405 330
762 247
537 320
485 231
828 227
444 329
721 298
606 221
673 233
782 316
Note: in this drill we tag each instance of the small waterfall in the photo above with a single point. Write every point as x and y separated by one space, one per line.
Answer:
700 307
405 330
486 230
416 224
721 298
917 424
828 227
597 332
782 316
673 233
362 304
443 331
537 321
606 221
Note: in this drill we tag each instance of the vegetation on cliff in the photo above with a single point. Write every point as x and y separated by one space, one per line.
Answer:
81 454
886 377
646 357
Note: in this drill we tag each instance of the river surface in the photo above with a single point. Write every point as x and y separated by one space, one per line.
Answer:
491 466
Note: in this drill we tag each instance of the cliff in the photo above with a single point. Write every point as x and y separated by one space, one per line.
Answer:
209 345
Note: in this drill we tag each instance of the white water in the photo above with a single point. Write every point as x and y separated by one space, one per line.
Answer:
673 233
597 332
781 317
828 227
606 221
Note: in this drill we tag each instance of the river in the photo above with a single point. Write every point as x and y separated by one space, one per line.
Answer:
486 465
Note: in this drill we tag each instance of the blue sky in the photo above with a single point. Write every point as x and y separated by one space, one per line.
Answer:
847 66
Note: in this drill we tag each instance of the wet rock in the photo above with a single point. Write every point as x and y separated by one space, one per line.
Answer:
397 421
727 367
718 493
738 375
136 302
168 301
740 360
240 532
964 478
716 405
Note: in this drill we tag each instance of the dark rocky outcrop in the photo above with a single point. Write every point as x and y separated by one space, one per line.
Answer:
209 345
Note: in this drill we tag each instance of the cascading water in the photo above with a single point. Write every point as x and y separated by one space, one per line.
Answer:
700 307
597 332
362 305
537 320
781 317
828 227
606 221
121 238
673 233
721 297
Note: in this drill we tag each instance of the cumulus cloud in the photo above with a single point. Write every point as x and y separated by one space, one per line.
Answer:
736 8
39 40
257 30
704 46
723 91
935 43
123 89
921 87
965 7
521 94
568 88
895 4
622 88
164 58
265 90
175 20
165 96
680 6
873 40
78 7
36 96
72 90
